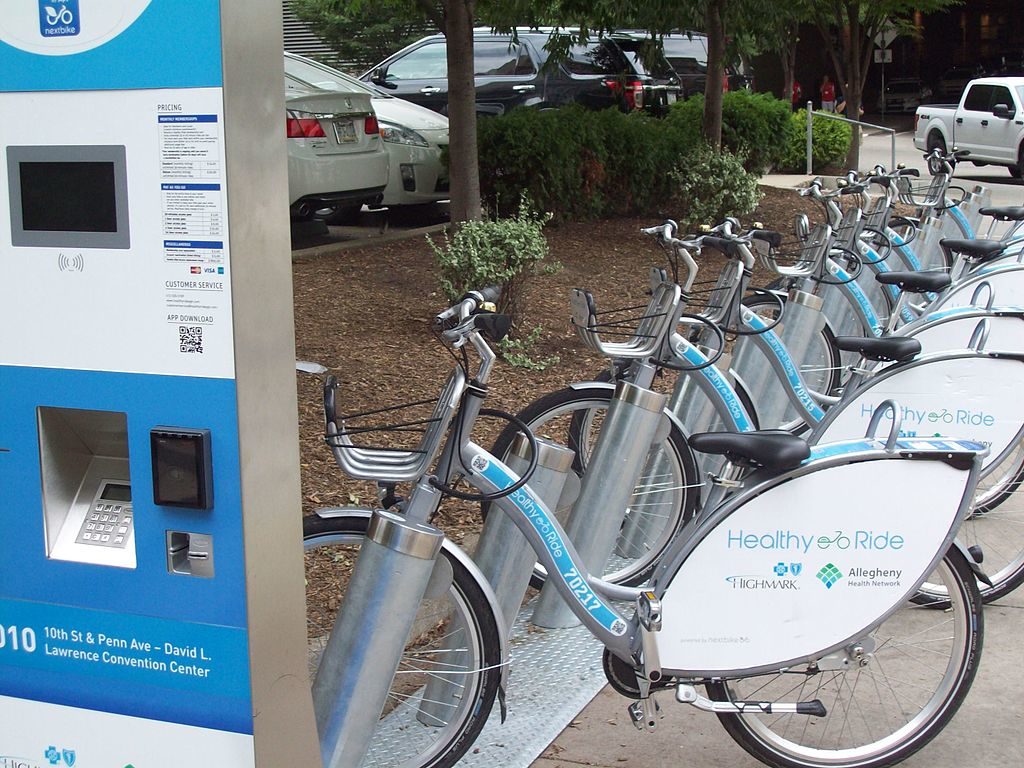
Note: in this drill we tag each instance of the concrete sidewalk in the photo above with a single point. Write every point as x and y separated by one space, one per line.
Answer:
987 732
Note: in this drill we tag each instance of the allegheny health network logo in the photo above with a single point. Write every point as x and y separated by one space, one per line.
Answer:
829 575
59 18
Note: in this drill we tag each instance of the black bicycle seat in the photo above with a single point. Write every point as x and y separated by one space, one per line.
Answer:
915 282
772 449
893 349
1004 212
983 250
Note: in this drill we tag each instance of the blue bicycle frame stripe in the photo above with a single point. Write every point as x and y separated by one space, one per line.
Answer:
846 447
848 283
782 355
962 221
740 420
533 509
912 261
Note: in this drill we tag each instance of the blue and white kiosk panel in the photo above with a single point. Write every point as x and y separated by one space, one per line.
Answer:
123 634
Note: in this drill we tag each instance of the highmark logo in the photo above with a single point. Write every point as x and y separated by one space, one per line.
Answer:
59 18
829 575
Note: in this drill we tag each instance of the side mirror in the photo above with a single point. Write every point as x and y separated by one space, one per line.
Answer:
379 77
1002 110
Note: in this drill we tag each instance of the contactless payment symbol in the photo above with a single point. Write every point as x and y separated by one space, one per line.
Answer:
59 18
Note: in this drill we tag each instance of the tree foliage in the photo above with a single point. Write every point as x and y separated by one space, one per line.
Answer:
848 28
363 33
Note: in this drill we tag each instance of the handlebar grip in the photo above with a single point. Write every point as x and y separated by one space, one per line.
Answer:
774 239
490 293
908 172
882 181
728 247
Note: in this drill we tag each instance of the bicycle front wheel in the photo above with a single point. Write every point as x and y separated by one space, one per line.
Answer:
664 497
919 670
448 677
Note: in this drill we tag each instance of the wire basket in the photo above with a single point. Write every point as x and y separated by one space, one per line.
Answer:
928 193
632 332
797 257
413 431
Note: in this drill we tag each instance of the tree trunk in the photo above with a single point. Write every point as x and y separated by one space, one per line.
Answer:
714 27
854 87
788 60
463 169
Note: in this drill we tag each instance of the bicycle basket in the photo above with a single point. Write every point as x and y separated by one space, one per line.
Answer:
403 458
625 333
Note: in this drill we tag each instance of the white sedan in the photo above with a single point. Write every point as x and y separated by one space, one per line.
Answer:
414 136
336 159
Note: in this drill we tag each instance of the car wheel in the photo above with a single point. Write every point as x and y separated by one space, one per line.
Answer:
935 141
1017 171
340 214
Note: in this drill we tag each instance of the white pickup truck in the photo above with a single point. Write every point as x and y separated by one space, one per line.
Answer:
988 123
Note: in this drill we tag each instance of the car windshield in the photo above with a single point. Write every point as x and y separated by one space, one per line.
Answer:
906 86
326 78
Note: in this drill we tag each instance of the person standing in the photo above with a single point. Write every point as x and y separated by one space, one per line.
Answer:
798 94
828 94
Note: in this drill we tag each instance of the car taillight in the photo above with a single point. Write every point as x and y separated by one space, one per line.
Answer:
303 125
371 126
632 91
917 117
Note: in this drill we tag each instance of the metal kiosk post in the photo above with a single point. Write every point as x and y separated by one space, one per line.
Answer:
151 580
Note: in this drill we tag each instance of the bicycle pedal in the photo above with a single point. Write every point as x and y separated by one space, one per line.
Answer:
644 714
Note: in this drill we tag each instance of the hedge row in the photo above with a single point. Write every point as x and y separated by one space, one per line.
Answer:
579 164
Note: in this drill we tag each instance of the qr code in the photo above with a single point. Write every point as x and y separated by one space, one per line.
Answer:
191 338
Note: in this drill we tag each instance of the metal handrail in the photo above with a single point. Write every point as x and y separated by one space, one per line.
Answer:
810 133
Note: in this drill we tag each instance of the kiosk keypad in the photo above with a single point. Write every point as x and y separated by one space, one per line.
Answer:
108 521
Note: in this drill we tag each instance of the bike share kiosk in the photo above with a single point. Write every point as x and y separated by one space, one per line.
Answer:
151 581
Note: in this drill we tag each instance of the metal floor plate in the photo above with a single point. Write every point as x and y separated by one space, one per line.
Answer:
554 674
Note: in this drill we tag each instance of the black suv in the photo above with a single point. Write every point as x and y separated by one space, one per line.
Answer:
608 72
688 55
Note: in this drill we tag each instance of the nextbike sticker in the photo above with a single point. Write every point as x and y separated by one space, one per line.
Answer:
59 19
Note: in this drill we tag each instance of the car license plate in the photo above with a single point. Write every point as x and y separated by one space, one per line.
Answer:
344 131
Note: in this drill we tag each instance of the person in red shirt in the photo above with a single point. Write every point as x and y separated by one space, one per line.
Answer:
828 94
798 95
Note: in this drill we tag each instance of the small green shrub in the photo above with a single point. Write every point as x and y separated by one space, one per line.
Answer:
831 143
519 352
505 251
756 126
710 185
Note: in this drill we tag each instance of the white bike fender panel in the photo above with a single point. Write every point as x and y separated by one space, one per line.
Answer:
1005 333
970 398
805 567
1006 280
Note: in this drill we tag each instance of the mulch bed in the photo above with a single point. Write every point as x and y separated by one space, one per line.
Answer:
366 313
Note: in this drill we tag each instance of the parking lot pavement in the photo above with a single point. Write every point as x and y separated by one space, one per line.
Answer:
985 733
312 238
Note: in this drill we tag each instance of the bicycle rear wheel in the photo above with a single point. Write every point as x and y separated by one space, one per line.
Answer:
919 672
664 497
454 636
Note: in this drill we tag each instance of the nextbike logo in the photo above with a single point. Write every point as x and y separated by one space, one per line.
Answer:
59 18
939 417
829 575
787 540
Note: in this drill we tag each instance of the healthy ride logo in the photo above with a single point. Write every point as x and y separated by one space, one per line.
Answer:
789 540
